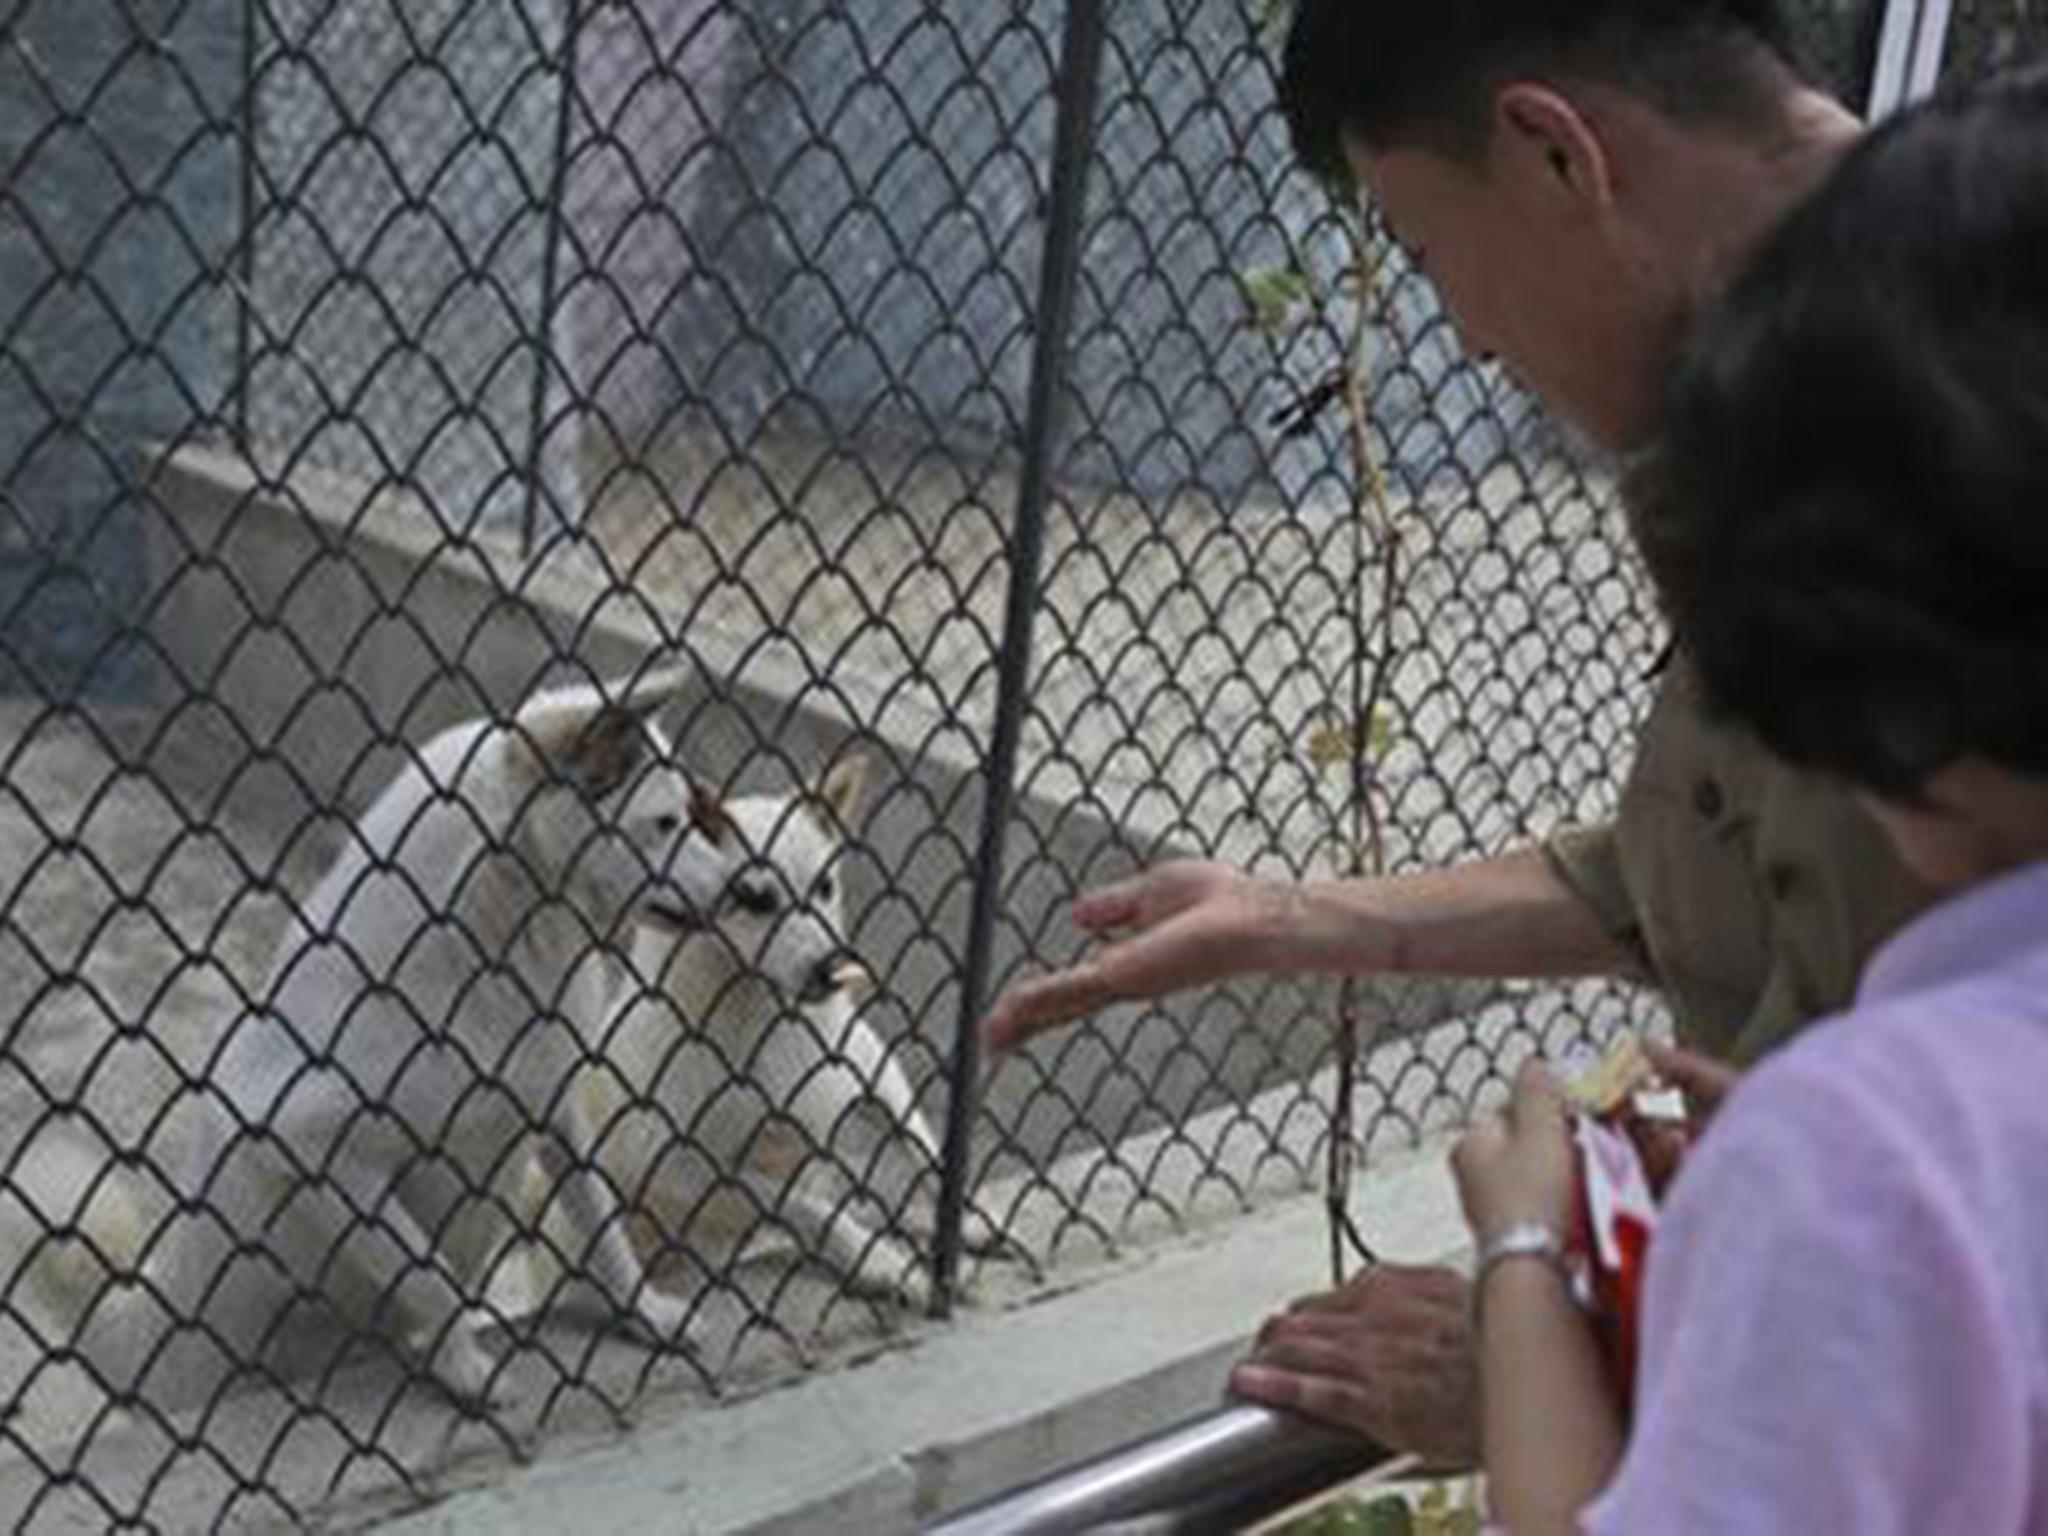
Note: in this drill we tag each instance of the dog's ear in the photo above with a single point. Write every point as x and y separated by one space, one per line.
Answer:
649 692
709 816
839 794
609 748
597 736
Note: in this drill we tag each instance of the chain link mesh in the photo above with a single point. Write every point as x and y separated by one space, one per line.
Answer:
370 366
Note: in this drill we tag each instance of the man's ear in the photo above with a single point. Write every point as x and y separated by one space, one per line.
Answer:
1543 144
838 795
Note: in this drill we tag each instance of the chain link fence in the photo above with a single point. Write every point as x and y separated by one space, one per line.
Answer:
982 410
1987 35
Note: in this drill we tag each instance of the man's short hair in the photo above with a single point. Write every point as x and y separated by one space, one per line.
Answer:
1422 73
1847 509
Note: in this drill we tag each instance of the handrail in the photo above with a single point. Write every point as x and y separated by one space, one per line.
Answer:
1216 1473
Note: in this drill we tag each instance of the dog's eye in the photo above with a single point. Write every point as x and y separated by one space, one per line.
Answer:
823 887
761 900
668 823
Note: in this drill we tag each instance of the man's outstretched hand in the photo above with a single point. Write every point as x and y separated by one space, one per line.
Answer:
1183 924
1388 1356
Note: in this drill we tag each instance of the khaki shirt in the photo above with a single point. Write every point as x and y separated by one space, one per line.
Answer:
1750 892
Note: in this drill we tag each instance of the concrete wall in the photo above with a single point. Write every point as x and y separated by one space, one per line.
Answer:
773 211
405 170
868 245
118 204
779 214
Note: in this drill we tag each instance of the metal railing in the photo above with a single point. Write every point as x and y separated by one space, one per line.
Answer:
1213 1475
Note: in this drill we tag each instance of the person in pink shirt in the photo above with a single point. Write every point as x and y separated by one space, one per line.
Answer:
1845 1322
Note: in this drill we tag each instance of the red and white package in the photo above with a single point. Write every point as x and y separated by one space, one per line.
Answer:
1617 1215
1615 1100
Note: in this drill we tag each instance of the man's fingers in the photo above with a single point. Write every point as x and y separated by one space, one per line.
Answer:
1341 1302
1278 1329
1347 1346
1704 1081
1148 966
1409 1387
1039 1003
1110 906
1662 1147
1394 1291
1167 946
1309 1354
1331 1399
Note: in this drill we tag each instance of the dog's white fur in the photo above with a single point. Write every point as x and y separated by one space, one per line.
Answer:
736 1062
425 1011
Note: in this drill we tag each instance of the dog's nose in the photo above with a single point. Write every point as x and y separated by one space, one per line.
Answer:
822 980
837 973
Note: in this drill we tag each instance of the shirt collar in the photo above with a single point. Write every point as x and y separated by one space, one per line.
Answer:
1988 925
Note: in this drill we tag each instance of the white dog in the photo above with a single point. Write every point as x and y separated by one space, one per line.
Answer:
736 1068
425 1013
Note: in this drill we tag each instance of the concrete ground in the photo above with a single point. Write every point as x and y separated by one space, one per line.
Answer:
1008 1392
118 910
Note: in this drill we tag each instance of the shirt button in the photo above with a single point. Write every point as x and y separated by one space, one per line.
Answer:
1783 879
1706 798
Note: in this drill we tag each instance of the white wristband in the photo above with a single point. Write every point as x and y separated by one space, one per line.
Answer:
1522 1240
1516 1240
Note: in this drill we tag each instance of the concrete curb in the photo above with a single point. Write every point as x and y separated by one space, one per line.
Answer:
996 1399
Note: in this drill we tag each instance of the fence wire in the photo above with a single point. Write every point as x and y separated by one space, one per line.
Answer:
941 398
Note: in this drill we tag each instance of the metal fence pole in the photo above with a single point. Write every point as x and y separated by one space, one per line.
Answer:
1909 51
550 269
245 257
1073 149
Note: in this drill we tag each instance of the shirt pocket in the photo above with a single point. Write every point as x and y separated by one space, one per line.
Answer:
1687 840
1836 891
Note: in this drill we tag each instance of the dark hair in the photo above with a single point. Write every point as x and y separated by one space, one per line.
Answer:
1848 507
1423 72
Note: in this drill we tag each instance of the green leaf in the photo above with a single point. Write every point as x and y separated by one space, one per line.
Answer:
1270 18
1379 733
1435 1516
1387 1515
1273 293
1328 744
1335 737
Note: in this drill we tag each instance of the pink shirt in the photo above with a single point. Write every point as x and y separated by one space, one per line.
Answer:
1847 1301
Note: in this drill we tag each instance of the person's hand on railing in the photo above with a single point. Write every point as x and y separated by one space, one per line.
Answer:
1182 924
1388 1356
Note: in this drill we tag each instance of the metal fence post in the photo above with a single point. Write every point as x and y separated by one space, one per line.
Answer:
245 257
1911 41
550 283
1073 148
